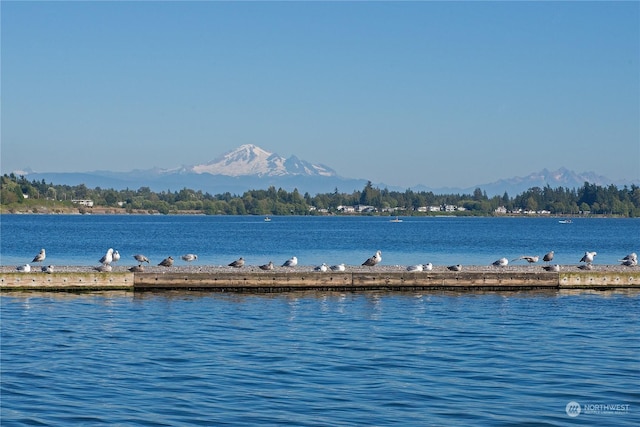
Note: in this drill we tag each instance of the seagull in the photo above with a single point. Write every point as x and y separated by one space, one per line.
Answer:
24 268
167 262
141 258
417 267
47 269
107 258
502 262
267 266
428 266
456 267
291 262
548 257
40 257
189 257
104 268
237 263
555 267
321 268
530 259
587 266
137 268
631 257
338 267
116 256
375 259
588 257
629 262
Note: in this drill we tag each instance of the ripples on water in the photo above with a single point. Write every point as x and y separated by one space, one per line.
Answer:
317 359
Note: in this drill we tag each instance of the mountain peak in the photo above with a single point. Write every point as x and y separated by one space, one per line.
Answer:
251 160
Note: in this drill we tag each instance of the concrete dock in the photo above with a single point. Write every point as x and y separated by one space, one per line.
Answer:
284 281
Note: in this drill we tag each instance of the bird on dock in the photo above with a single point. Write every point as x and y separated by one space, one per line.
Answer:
268 266
588 266
502 262
107 258
40 257
24 268
338 267
588 257
47 269
375 259
116 256
322 268
548 257
141 258
530 259
428 266
291 262
456 267
104 268
631 257
237 263
629 262
417 267
167 262
137 268
555 267
189 257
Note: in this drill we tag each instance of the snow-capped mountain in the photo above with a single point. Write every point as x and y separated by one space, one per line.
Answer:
250 167
251 160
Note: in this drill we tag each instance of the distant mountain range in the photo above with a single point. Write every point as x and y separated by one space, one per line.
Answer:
250 167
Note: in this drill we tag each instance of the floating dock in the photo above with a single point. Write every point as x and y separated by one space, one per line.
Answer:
266 282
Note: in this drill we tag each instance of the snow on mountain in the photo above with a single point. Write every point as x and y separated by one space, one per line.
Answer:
251 160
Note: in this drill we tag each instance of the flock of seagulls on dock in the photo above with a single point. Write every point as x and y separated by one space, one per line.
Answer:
113 256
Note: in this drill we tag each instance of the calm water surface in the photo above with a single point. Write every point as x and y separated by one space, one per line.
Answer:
319 359
83 239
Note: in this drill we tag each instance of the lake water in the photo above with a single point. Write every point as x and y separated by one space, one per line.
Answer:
318 359
218 240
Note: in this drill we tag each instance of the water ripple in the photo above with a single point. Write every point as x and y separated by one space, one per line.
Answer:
317 359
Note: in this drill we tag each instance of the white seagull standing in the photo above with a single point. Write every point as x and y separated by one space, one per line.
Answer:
40 257
189 257
375 259
502 262
548 257
428 266
588 257
291 262
237 263
167 262
116 256
323 268
631 257
24 268
107 258
141 258
267 267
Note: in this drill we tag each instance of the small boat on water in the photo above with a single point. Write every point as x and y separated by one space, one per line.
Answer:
395 220
267 219
565 221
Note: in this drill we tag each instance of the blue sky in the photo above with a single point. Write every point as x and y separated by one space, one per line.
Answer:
402 93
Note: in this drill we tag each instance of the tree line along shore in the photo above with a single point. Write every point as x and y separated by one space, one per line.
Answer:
19 195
